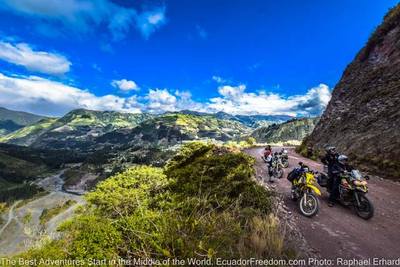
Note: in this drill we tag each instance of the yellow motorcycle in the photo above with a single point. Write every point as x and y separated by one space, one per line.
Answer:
305 190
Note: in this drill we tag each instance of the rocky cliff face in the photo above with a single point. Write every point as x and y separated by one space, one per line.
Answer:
363 117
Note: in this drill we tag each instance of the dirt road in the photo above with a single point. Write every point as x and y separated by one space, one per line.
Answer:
337 231
20 233
10 217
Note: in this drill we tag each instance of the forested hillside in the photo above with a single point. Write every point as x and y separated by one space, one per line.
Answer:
203 204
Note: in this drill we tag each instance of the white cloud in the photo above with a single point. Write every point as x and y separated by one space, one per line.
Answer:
23 55
125 85
231 92
43 96
219 79
149 21
85 15
160 100
235 100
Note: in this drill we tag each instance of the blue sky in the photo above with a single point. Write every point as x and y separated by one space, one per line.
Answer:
244 57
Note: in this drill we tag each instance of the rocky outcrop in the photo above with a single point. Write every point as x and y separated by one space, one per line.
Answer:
363 117
293 130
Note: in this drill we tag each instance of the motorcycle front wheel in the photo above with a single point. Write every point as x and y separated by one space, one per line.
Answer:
365 210
309 205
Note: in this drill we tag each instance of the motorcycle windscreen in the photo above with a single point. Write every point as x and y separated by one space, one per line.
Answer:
356 174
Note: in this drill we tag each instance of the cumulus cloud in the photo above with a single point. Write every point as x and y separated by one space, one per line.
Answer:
84 15
231 92
235 100
314 102
43 96
47 97
160 100
23 55
125 85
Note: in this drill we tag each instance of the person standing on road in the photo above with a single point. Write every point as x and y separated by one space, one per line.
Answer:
341 165
330 159
267 157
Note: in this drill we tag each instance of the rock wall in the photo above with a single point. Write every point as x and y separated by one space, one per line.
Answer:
363 117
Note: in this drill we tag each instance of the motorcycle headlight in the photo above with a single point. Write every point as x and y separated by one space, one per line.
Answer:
360 183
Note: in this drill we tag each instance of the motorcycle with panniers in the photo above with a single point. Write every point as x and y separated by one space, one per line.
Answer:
352 191
305 190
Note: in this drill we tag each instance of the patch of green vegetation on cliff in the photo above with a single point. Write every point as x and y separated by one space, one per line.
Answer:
203 204
389 22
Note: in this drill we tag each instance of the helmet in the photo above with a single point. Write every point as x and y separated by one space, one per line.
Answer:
331 149
342 159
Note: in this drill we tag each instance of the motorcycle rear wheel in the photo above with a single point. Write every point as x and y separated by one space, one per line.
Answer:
366 209
285 164
309 205
279 173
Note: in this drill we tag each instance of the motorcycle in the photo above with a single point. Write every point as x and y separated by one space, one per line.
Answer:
352 192
277 166
285 158
304 189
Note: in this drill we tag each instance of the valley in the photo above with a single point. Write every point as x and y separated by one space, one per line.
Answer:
61 159
23 228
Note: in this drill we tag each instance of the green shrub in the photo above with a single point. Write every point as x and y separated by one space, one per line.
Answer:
204 204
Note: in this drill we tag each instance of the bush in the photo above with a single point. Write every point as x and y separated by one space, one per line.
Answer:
204 204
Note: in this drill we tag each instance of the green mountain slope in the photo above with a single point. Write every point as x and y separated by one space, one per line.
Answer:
28 134
155 140
252 121
11 120
173 128
77 129
293 130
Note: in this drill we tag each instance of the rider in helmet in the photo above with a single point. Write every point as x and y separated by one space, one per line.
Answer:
330 159
337 168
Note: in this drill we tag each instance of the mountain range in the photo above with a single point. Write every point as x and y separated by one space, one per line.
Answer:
291 131
104 142
86 129
13 120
